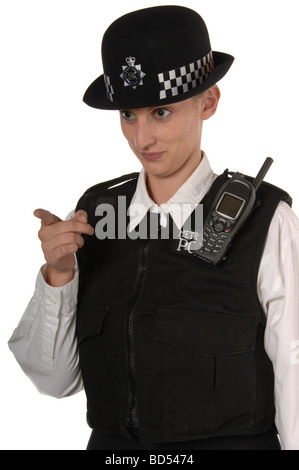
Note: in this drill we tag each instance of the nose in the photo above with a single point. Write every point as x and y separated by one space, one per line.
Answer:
144 136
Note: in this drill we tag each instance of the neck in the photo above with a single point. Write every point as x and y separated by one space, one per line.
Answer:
163 188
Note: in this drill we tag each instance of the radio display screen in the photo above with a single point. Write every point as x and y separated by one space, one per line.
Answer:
230 206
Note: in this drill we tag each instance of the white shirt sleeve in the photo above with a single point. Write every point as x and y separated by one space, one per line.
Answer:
45 344
278 289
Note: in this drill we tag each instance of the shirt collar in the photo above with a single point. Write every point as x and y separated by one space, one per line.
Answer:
181 205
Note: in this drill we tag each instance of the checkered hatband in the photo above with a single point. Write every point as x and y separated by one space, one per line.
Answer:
109 88
181 80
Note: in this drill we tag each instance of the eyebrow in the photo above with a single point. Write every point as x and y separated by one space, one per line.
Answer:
147 109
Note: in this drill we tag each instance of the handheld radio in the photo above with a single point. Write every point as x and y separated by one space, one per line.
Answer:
230 209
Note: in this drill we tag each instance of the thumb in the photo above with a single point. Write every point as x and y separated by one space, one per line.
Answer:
47 218
80 216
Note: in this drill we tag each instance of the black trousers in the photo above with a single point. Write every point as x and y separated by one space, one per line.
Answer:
265 441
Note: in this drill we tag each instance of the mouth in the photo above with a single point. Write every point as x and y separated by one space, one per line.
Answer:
151 156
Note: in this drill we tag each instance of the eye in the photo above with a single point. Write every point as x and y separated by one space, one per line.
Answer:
162 113
127 115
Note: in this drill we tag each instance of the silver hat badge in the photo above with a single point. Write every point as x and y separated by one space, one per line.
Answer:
132 74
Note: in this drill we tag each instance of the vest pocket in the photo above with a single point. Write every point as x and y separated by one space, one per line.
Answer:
93 362
207 334
209 376
90 319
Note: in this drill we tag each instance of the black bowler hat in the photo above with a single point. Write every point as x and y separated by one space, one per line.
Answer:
156 56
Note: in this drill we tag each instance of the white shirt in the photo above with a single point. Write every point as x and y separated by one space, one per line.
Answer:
45 343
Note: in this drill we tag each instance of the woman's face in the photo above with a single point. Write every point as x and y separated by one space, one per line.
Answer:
165 139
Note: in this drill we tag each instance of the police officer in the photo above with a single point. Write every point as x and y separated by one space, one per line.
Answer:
174 352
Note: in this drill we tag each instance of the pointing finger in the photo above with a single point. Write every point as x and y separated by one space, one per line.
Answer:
47 218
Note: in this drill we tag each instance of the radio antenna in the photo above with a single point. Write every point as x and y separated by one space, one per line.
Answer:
262 173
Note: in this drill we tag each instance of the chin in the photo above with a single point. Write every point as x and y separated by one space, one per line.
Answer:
154 168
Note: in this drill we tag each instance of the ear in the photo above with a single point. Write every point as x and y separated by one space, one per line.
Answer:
210 102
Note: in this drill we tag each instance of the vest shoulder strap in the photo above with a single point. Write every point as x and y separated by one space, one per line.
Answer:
103 188
268 187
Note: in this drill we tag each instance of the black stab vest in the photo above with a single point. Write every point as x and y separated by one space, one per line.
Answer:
171 345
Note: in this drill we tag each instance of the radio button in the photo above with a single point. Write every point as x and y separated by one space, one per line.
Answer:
219 227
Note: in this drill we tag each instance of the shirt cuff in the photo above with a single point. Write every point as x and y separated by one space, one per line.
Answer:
57 300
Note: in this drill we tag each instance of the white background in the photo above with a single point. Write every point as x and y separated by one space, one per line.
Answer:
53 147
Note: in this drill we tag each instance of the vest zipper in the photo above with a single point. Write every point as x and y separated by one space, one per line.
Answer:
132 418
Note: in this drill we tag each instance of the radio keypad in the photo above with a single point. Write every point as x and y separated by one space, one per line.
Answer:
215 234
